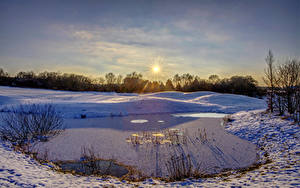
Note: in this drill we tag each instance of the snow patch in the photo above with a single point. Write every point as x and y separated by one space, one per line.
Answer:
139 121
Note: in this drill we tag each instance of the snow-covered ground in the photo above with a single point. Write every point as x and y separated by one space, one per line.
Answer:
99 104
278 138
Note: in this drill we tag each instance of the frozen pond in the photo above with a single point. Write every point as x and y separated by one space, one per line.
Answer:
147 142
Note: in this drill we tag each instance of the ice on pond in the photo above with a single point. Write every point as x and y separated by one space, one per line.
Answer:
139 121
148 147
210 115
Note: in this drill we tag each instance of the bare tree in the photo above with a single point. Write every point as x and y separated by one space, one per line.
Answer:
100 80
186 79
2 73
288 80
119 79
214 78
297 103
169 85
269 79
177 80
110 78
25 124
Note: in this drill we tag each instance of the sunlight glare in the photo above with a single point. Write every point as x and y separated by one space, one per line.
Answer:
155 69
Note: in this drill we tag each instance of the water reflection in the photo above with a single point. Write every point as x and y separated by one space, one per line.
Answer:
103 167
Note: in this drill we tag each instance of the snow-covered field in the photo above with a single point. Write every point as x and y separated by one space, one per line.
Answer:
279 138
96 104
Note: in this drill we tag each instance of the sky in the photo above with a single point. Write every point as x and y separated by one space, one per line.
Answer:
94 37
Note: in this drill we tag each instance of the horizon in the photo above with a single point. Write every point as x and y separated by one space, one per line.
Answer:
198 37
124 76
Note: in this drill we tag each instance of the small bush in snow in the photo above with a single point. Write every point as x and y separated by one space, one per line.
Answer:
29 123
179 167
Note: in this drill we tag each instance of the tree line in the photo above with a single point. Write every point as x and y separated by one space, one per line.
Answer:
283 81
131 83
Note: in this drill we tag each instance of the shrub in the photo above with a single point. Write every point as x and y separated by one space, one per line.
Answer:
29 123
179 167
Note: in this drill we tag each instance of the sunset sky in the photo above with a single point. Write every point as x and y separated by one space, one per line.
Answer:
198 37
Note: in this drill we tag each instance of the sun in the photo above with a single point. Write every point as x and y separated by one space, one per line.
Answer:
156 69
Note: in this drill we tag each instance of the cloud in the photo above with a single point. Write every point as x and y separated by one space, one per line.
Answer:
126 49
132 47
83 35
